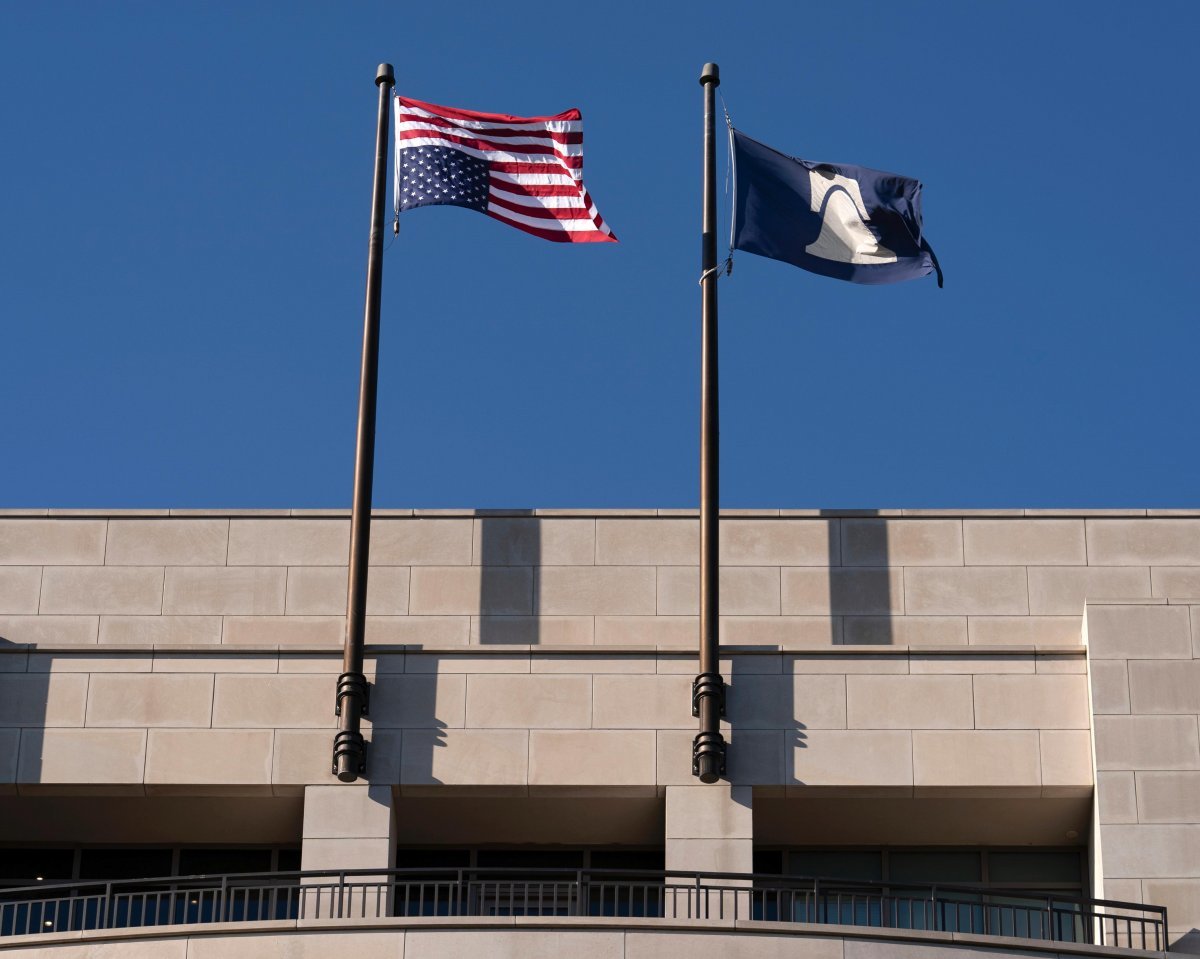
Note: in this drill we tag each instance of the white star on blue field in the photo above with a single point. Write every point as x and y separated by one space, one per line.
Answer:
440 175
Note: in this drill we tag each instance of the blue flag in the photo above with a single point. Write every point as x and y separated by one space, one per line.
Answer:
843 221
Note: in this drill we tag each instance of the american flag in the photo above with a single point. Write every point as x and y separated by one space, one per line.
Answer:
524 171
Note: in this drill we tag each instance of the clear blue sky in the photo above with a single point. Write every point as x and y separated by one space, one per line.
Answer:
183 232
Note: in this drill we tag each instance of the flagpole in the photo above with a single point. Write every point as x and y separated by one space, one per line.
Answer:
708 690
349 749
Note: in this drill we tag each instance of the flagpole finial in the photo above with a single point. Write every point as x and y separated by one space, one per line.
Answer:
710 74
385 74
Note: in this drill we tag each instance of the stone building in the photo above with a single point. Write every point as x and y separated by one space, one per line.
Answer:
976 730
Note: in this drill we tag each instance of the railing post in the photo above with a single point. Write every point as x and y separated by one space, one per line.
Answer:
107 905
341 896
221 899
937 913
579 908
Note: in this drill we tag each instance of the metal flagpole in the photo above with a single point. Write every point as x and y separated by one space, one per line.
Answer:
708 690
349 750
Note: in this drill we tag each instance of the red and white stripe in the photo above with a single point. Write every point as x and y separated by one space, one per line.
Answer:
535 163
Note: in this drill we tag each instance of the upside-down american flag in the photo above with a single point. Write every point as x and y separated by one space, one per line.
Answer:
524 171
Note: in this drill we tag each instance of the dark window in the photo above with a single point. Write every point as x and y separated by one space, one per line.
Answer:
125 863
25 867
209 862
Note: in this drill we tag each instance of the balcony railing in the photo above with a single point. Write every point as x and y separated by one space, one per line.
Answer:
598 893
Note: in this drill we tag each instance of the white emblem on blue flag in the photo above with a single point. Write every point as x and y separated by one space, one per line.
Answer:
844 235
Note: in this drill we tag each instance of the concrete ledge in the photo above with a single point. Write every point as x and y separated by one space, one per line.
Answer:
996 945
584 512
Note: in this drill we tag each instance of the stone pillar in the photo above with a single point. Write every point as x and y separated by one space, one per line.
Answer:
348 827
709 829
1144 667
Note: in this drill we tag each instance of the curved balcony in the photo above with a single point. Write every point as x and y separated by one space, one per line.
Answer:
599 895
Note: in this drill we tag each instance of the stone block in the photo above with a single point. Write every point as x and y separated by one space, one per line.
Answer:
1031 702
465 757
766 542
428 631
341 811
214 757
642 702
82 756
892 662
291 542
160 630
744 590
231 591
20 587
91 660
651 944
167 542
1059 590
52 542
1163 686
471 590
42 699
909 702
468 661
1150 851
647 542
711 855
963 590
597 663
1143 542
303 756
592 757
718 811
795 632
601 591
149 699
839 591
101 589
1138 632
849 758
49 630
647 631
372 852
422 542
1110 686
755 757
795 701
1066 762
532 630
214 661
1025 630
284 630
1146 742
417 701
529 702
293 701
1181 898
976 663
1006 761
1168 797
905 631
912 542
1117 797
1175 581
1068 661
514 944
1024 542
309 944
529 541
321 591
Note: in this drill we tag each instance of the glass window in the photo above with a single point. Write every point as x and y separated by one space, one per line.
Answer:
627 859
948 867
215 862
530 858
1034 868
867 866
768 861
125 863
25 867
433 858
289 860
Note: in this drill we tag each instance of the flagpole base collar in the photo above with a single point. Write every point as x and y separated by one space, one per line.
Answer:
710 74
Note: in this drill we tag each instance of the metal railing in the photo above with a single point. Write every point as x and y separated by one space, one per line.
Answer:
599 893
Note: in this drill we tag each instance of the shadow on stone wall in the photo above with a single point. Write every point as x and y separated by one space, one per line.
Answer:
24 712
510 555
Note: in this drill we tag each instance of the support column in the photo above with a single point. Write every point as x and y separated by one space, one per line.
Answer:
710 829
349 827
